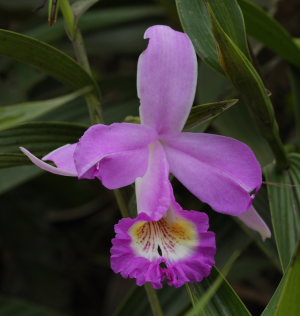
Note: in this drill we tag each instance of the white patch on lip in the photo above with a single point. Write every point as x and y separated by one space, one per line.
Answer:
172 237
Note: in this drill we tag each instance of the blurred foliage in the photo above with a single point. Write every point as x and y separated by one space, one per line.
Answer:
55 232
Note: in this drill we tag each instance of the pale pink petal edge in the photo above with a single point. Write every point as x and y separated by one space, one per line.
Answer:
45 166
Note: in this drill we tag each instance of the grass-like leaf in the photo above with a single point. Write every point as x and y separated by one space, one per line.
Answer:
46 58
13 115
204 112
38 137
267 30
214 297
196 23
285 300
284 197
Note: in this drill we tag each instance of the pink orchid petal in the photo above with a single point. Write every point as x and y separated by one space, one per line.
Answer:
219 170
166 79
65 168
254 221
121 169
153 189
180 267
120 145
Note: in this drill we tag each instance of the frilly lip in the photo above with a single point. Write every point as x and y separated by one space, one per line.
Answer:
192 268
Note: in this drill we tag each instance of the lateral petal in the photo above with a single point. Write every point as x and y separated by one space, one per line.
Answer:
120 169
62 157
116 154
220 171
166 79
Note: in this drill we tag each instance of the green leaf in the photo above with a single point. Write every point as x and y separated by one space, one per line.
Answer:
38 137
46 58
196 23
284 198
267 30
249 84
230 17
13 115
204 112
16 307
285 300
224 302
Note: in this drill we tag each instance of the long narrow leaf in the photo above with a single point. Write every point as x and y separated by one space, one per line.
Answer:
46 58
196 23
204 112
38 137
225 302
284 197
285 300
13 115
267 30
251 87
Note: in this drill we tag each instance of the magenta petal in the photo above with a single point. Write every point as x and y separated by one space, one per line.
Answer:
167 76
254 221
121 169
62 157
220 171
116 154
186 257
153 189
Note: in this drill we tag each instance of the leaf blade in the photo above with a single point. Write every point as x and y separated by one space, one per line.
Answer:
38 137
204 112
267 30
13 115
46 58
284 202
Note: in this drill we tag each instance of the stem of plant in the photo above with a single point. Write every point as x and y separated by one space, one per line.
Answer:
95 111
92 99
153 300
121 203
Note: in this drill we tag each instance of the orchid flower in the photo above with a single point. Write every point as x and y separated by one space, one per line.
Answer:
219 170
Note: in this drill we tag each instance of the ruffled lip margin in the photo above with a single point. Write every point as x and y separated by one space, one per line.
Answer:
193 268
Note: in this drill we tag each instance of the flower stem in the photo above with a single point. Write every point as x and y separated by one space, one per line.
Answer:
153 300
92 99
121 203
